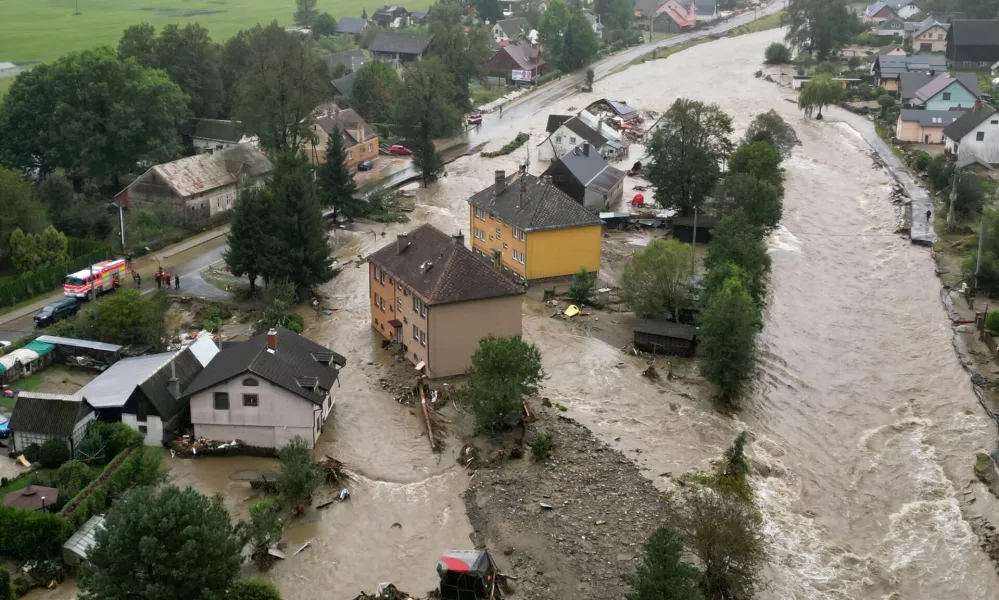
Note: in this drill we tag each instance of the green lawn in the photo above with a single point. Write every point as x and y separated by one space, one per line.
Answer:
767 22
5 84
44 29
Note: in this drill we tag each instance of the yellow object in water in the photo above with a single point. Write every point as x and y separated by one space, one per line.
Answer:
572 311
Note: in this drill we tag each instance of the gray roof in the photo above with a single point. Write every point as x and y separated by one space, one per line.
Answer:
350 24
186 366
892 66
85 537
400 43
353 59
525 55
910 83
296 359
647 7
970 120
556 121
329 117
217 129
591 170
342 85
872 9
931 118
580 128
41 414
441 269
974 32
667 329
966 159
540 206
928 24
945 80
513 28
204 172
706 7
112 388
622 109
74 343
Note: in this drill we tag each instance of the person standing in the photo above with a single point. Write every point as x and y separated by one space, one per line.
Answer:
158 277
929 212
138 280
176 282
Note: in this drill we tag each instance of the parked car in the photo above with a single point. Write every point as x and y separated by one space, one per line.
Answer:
364 165
57 311
4 429
475 119
400 150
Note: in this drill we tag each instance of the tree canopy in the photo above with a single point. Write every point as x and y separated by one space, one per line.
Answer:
305 12
90 113
489 11
20 208
771 127
336 182
298 477
736 240
819 26
504 371
551 31
727 336
759 200
163 544
759 159
662 574
818 92
615 14
657 281
687 152
777 54
425 108
580 43
462 53
373 91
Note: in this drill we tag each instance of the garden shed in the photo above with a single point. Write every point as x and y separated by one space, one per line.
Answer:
663 337
78 546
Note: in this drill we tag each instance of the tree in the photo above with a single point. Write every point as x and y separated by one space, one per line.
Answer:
425 108
657 281
336 183
727 335
489 11
777 54
373 91
90 113
23 251
970 196
615 14
53 453
663 575
278 299
759 159
580 44
687 151
53 248
759 200
72 477
737 241
250 245
6 585
299 252
428 161
20 208
734 469
261 532
306 12
818 92
504 371
178 544
125 317
462 53
819 26
324 25
725 533
252 589
589 79
772 128
280 84
139 42
581 290
551 30
298 476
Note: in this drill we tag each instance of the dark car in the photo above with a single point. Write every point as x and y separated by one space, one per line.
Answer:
364 165
57 311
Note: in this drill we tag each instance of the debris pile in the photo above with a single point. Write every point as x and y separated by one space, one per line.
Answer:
188 445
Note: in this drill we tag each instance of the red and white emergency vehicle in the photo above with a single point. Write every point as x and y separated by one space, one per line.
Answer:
104 277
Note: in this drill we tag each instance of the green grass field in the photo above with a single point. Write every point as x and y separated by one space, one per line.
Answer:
44 29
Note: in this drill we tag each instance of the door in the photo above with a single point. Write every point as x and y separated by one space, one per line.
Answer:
925 47
926 139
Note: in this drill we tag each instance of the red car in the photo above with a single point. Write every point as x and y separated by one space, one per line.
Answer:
400 150
475 119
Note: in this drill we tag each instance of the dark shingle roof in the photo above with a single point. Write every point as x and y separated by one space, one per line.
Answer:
401 43
329 117
971 119
295 357
591 170
544 206
555 121
41 415
525 55
931 118
350 24
342 85
156 387
910 83
353 59
594 137
945 80
974 32
215 129
441 269
513 27
667 329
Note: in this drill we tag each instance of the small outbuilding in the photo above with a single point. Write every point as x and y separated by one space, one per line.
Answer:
38 417
683 228
78 546
664 337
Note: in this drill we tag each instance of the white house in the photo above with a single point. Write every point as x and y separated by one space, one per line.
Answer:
976 133
209 135
584 127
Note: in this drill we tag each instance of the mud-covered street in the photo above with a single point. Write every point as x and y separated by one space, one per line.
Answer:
861 419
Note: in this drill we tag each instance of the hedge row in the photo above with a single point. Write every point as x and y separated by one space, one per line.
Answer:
96 497
547 77
517 142
32 283
29 535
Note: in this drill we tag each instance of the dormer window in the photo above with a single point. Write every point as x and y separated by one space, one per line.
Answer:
308 383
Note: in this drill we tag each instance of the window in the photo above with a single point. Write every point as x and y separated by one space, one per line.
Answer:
419 307
499 234
370 147
399 302
423 338
558 138
251 400
350 155
480 214
377 273
980 136
142 429
480 234
516 233
221 401
937 120
519 256
505 246
946 95
218 203
250 381
416 333
994 122
572 140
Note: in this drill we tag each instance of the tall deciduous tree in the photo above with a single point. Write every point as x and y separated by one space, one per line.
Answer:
759 159
760 200
163 544
727 335
92 114
281 82
20 208
615 14
818 26
663 575
336 183
552 29
324 25
139 42
374 90
305 12
299 476
687 152
425 108
504 371
736 240
818 92
463 54
771 127
580 43
489 11
657 281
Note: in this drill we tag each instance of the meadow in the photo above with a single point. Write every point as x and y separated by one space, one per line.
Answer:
40 30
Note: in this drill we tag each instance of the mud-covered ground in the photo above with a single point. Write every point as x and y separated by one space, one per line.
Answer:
602 511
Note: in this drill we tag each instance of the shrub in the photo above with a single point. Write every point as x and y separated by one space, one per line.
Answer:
988 273
504 371
6 586
923 160
31 452
581 291
517 142
296 323
27 535
252 589
53 453
116 437
542 446
992 323
72 477
777 54
547 77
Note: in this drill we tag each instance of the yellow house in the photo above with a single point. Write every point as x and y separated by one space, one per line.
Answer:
532 229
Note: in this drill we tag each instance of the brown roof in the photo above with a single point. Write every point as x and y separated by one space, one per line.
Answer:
525 55
203 172
30 498
441 269
330 117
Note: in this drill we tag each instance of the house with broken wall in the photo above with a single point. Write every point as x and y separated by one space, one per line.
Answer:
584 127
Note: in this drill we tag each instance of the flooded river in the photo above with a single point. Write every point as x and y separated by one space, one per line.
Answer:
861 410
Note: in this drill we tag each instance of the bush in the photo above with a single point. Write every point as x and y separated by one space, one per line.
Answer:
6 586
133 467
27 535
923 160
53 453
252 589
504 371
547 77
992 323
31 452
542 446
72 477
988 273
581 291
116 437
777 54
296 323
970 196
517 142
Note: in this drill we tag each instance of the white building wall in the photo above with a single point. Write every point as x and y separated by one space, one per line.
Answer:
153 424
987 148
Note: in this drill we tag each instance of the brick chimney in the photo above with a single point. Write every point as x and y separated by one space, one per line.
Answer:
459 238
500 182
586 148
401 242
272 338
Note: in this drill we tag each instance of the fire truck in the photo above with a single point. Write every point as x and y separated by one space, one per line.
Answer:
103 277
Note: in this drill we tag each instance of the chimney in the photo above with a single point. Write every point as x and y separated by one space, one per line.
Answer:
586 148
360 133
401 242
174 383
523 188
459 238
500 182
272 340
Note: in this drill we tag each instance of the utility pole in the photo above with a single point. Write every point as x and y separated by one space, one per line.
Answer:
121 224
93 292
953 199
693 245
981 236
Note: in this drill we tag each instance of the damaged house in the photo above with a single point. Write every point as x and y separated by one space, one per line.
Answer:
587 178
584 127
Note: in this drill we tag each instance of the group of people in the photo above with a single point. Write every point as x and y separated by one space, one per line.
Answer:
161 277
